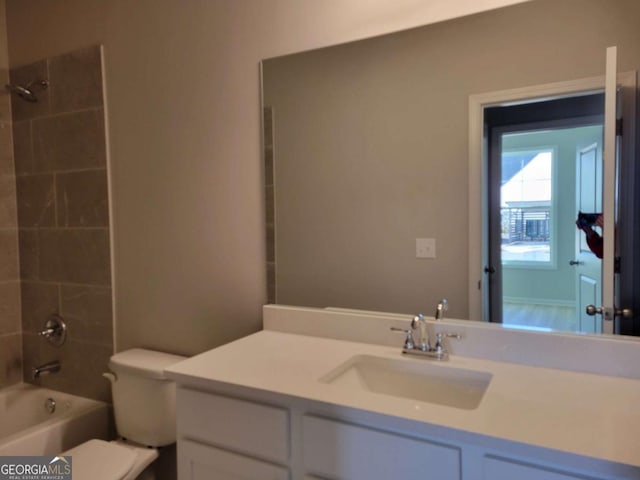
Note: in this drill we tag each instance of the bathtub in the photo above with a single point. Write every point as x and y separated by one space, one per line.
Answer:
28 428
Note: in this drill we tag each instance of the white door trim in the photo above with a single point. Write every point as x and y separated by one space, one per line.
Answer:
478 165
608 194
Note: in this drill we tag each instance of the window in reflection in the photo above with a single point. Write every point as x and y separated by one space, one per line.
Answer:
526 207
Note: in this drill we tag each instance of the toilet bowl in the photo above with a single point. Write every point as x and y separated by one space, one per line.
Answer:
144 408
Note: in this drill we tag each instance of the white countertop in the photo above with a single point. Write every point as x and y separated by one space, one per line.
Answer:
586 414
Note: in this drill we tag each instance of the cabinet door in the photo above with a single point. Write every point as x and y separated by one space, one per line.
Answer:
505 469
246 427
334 449
197 461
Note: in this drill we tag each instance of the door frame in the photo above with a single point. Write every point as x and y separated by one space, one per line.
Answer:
478 165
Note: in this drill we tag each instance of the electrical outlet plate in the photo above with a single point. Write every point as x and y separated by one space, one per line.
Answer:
425 248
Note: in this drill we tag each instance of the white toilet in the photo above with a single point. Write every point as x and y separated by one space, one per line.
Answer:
144 403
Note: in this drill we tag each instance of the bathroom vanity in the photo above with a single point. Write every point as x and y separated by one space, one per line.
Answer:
327 394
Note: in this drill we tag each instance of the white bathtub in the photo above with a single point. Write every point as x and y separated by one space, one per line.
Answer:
27 428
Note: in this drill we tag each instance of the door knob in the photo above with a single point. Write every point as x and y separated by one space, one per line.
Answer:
618 312
575 262
592 310
624 312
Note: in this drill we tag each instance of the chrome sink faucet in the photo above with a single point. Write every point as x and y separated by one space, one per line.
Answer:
424 349
423 346
417 323
420 323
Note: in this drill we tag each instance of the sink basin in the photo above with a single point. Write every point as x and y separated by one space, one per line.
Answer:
416 380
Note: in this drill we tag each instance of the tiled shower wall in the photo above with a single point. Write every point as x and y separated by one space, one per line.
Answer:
269 166
63 219
10 327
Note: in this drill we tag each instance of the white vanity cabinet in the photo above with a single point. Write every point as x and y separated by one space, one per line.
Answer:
222 437
241 435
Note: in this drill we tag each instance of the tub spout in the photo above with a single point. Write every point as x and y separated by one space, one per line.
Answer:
46 369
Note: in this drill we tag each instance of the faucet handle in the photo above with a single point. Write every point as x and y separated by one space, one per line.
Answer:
440 336
408 342
442 307
55 330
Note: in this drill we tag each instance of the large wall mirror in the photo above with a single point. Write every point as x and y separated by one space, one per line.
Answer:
366 150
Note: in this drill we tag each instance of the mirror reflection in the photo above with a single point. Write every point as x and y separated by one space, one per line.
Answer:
366 150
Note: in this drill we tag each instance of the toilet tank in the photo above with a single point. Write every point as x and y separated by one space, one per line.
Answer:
144 400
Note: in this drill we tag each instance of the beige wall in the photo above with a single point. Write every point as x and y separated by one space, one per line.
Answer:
184 137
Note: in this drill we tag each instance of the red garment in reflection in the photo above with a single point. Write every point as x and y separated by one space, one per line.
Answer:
595 243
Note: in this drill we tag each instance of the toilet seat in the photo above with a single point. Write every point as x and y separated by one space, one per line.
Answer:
100 460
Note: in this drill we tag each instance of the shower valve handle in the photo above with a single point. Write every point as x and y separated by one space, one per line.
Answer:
55 330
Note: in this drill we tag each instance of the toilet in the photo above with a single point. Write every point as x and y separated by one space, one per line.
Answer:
144 404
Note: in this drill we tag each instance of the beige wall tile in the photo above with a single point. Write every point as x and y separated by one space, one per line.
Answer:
29 253
6 150
267 125
82 366
10 359
75 256
36 200
76 80
271 282
5 106
8 254
69 141
269 203
10 308
271 246
39 301
87 310
268 165
23 147
8 209
82 199
5 97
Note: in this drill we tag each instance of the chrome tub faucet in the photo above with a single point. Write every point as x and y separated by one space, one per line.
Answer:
45 369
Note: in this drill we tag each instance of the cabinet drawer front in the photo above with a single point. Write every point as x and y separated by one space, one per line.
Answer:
202 462
340 450
496 468
246 427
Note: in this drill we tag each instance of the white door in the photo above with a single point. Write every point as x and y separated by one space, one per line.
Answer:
588 266
616 233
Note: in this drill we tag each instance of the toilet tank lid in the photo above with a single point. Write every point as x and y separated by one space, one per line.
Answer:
149 363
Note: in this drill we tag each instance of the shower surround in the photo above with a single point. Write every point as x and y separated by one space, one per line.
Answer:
62 222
